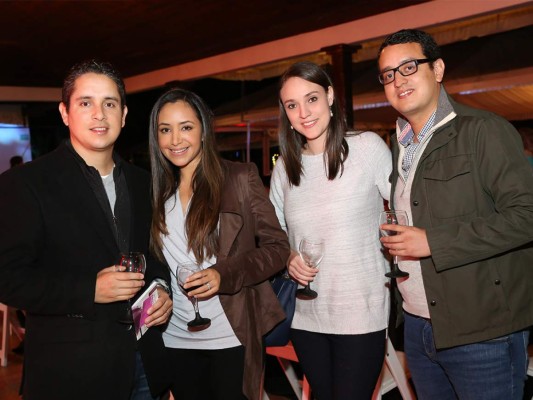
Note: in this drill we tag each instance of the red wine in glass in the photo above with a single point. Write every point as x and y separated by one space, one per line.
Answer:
134 262
396 217
189 289
182 273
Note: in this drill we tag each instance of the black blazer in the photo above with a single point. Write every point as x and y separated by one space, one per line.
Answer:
54 238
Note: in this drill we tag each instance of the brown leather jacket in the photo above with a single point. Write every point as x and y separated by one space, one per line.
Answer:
253 247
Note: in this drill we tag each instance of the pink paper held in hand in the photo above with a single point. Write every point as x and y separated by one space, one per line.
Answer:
140 309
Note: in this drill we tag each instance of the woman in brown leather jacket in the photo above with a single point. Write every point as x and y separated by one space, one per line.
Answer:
216 214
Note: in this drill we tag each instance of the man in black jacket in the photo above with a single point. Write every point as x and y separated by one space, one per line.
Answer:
66 218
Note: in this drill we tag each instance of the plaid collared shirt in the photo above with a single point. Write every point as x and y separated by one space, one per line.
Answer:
405 138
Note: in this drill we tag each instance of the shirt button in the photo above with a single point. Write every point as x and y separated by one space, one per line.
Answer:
497 282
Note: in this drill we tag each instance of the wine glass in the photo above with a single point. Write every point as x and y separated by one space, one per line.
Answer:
182 273
312 252
134 262
396 217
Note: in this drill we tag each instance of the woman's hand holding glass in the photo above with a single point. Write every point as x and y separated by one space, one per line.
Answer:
206 281
299 270
196 283
312 252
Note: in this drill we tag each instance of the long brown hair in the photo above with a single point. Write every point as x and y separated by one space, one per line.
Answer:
202 217
291 142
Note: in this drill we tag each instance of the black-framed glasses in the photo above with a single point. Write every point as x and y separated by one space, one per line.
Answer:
405 69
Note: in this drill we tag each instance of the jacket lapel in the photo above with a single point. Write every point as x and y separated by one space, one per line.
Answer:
76 195
231 221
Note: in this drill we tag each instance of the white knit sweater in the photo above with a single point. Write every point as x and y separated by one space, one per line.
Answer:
352 294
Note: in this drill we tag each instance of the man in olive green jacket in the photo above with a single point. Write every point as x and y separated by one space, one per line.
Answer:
461 175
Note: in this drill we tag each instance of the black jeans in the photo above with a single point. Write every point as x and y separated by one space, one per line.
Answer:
207 374
340 367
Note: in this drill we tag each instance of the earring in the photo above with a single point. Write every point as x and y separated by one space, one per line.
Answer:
330 112
292 128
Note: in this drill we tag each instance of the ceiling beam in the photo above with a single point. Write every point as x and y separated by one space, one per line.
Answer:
418 16
16 94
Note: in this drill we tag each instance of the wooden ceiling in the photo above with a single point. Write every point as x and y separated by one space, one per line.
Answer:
488 58
40 40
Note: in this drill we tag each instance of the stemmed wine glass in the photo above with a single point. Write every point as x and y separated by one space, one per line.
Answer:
182 273
134 262
312 252
396 217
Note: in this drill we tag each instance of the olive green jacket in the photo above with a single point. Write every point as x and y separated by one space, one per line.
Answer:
473 193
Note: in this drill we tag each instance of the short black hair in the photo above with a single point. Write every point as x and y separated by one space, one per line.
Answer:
429 47
92 66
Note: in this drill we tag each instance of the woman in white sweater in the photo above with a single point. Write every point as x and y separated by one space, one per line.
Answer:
330 184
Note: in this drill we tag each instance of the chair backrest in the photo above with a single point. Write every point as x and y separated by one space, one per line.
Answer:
286 355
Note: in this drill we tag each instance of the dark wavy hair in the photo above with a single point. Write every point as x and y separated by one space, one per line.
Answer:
291 142
202 217
92 66
430 49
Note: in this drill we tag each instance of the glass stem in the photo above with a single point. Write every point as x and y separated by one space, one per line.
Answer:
308 287
195 305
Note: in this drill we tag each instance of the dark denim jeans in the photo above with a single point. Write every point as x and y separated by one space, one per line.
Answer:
491 370
141 391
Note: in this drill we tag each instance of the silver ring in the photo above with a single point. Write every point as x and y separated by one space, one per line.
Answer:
208 286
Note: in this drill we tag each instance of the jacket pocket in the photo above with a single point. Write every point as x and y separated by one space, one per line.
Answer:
449 187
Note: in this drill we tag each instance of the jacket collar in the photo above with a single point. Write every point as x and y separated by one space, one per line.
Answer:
445 111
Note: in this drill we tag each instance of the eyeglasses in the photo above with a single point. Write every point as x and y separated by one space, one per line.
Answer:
405 69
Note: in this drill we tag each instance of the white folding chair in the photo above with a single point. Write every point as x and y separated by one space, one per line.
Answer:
286 355
394 374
